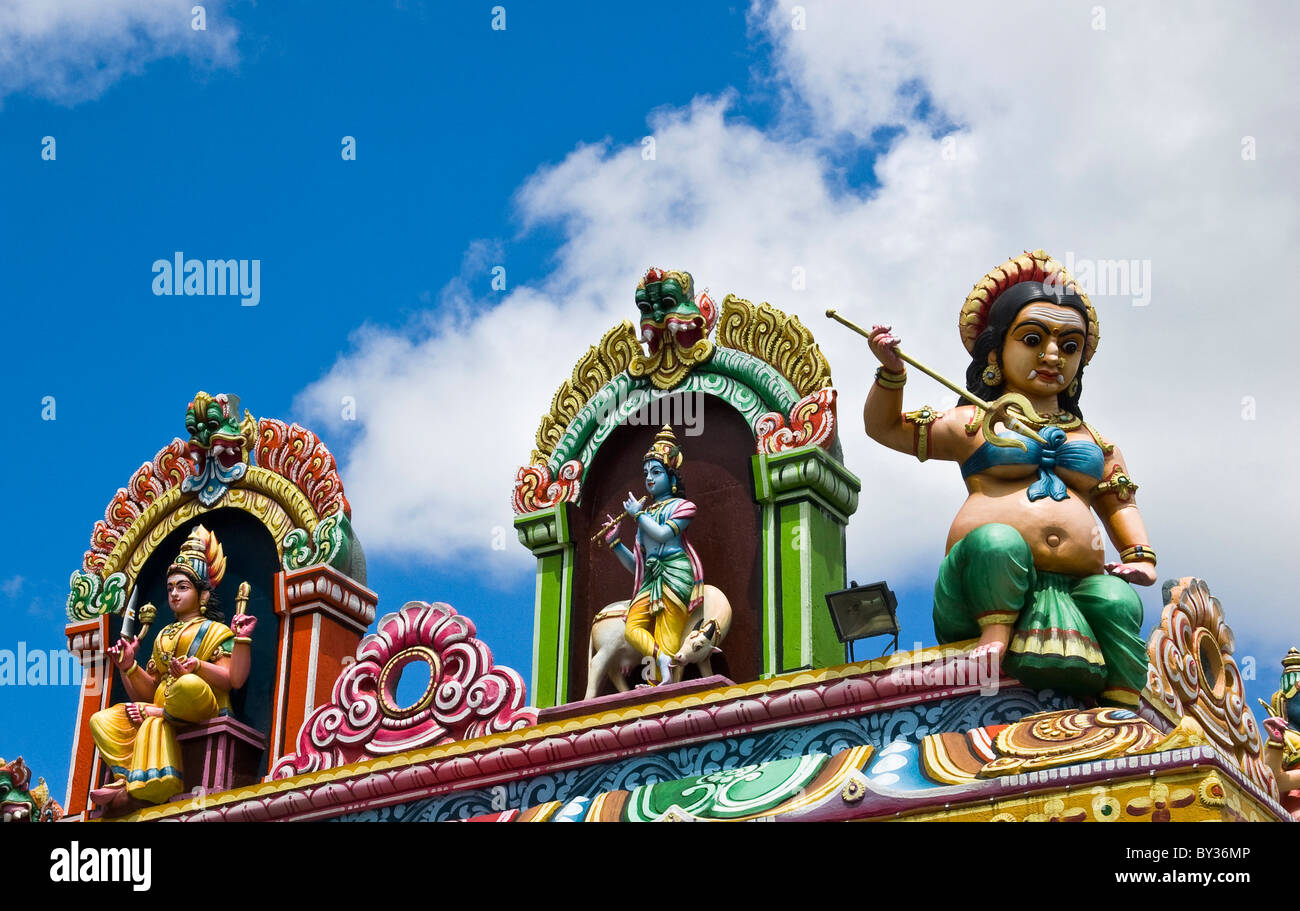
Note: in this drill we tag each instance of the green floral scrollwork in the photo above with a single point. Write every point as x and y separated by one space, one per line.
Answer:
327 545
748 371
728 794
90 597
603 409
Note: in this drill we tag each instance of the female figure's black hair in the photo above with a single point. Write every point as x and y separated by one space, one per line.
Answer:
1009 303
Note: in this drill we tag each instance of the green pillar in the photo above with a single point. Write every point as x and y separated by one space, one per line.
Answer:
806 498
546 533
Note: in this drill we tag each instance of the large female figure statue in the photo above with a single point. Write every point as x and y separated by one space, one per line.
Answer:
1025 569
196 662
668 580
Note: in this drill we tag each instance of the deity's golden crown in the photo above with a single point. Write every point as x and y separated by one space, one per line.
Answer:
201 559
1292 660
665 449
1029 267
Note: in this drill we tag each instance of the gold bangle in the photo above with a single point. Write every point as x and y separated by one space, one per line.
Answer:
1140 553
243 640
615 543
889 379
130 670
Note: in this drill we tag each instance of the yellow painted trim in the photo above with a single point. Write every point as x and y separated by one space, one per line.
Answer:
272 499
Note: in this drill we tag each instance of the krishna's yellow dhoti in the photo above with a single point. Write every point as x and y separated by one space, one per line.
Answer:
147 755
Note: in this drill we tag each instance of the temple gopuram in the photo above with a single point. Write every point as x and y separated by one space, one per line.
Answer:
687 663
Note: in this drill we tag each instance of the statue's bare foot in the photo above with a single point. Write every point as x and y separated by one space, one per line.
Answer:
665 668
138 712
110 794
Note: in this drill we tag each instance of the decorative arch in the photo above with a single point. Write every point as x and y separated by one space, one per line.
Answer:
294 491
776 466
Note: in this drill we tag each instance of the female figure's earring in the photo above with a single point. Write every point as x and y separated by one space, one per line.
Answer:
992 375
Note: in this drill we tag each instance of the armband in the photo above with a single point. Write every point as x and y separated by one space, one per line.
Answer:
1118 483
921 419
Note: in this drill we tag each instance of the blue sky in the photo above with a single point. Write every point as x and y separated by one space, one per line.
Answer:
777 148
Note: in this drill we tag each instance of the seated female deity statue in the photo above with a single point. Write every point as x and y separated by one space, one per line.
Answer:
668 581
196 661
1025 569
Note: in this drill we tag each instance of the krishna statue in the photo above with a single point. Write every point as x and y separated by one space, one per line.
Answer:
1025 568
196 661
668 581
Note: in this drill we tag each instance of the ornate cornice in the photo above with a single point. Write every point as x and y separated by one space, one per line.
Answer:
807 472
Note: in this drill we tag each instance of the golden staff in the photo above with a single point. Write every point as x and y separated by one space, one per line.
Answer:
1022 410
614 521
241 598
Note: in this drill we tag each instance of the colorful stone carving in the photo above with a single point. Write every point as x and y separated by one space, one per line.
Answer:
18 803
466 696
219 444
534 488
1043 741
293 487
1282 748
1025 568
1192 674
777 339
669 580
811 422
613 658
675 327
195 662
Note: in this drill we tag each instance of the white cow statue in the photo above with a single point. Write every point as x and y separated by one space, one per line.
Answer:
612 656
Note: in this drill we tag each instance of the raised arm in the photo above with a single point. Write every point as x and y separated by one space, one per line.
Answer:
926 433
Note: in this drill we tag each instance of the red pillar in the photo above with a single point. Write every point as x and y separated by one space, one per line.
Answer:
86 641
323 615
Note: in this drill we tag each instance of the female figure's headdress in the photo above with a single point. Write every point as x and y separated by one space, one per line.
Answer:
201 559
1050 281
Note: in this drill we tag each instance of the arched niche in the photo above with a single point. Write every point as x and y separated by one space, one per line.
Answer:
725 532
251 556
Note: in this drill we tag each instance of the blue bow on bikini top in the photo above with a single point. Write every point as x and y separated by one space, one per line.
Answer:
1083 456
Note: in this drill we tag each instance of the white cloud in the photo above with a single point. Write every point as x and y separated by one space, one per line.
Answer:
1115 144
71 50
11 586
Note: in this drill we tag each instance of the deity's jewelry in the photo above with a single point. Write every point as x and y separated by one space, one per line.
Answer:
921 420
1118 483
1138 553
243 640
1074 388
890 380
992 376
674 487
130 670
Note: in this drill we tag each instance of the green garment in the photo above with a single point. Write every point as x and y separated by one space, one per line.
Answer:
1077 634
674 571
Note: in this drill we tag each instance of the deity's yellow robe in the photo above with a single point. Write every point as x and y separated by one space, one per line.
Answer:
148 756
